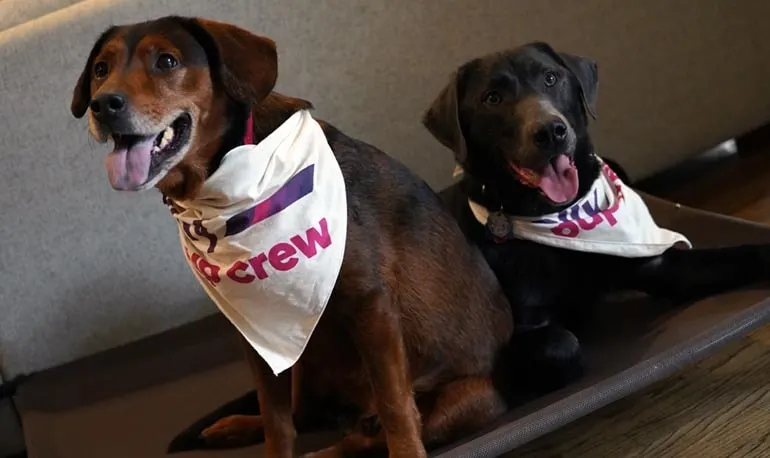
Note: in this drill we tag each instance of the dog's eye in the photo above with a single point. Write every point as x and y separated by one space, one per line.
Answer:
492 98
166 62
551 78
101 69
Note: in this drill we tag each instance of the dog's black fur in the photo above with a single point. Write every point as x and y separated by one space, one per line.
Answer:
554 288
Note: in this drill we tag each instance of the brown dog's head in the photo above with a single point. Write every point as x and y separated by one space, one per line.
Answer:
165 92
518 119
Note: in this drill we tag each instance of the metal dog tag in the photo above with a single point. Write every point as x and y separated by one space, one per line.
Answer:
499 226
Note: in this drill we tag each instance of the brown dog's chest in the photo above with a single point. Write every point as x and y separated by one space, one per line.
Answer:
331 367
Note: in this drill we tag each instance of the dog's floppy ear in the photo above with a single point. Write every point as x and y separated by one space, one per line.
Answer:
585 71
587 74
244 63
443 118
81 96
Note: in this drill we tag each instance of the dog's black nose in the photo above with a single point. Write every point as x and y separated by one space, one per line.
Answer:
551 134
107 106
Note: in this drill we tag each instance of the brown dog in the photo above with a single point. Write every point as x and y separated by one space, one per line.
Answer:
417 321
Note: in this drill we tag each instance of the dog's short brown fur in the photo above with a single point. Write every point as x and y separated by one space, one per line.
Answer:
417 321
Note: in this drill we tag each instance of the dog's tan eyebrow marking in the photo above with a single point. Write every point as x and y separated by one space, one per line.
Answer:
109 49
156 43
112 51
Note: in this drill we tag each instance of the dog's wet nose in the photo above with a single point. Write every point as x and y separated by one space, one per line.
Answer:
108 106
551 134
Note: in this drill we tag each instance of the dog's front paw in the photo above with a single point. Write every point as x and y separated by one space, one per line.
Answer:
550 357
234 431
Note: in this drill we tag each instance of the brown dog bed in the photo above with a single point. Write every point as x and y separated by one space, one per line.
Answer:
129 402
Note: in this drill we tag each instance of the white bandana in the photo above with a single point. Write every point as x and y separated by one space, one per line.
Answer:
266 236
610 219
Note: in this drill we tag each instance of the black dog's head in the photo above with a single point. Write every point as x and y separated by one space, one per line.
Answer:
517 122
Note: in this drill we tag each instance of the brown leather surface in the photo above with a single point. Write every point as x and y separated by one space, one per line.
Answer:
130 401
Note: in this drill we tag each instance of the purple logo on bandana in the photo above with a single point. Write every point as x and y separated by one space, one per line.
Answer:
296 188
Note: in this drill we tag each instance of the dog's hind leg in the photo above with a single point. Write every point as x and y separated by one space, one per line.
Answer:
461 408
457 409
193 437
234 431
690 274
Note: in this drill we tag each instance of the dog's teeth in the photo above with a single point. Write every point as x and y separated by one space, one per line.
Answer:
168 134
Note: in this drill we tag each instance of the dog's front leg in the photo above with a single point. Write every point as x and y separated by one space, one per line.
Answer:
690 274
275 395
381 344
379 340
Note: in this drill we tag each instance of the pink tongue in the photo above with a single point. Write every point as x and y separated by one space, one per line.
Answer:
559 180
128 167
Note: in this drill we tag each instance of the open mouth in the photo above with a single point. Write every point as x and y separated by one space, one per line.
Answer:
557 180
137 159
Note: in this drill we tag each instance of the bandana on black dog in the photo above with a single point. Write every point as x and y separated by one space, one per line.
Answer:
610 219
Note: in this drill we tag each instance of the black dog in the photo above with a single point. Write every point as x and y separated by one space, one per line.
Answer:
517 122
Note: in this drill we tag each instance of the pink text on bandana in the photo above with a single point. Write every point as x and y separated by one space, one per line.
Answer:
585 216
282 257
